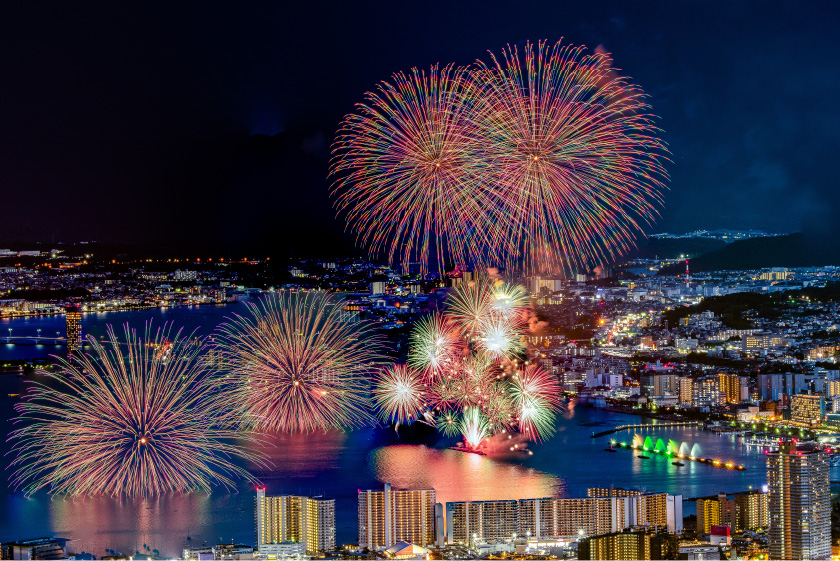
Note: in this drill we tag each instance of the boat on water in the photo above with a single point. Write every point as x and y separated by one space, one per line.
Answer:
677 464
468 450
643 457
610 450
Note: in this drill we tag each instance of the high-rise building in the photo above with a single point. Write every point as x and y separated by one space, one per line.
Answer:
730 386
799 503
686 390
74 328
751 509
659 384
289 518
626 545
388 516
807 409
771 386
481 519
716 511
613 511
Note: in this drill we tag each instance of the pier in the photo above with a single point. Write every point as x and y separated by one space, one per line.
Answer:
673 424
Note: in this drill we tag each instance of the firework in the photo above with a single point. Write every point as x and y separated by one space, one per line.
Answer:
470 305
295 365
535 399
399 394
136 417
449 424
500 338
433 346
573 151
474 427
403 176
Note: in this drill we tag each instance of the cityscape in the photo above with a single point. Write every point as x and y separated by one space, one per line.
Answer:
446 285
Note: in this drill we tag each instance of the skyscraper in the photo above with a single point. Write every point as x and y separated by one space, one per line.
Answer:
388 516
800 503
74 328
289 518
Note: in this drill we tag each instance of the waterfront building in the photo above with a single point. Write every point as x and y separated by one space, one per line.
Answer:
799 503
37 548
467 521
707 392
388 516
628 545
807 409
288 518
612 511
74 328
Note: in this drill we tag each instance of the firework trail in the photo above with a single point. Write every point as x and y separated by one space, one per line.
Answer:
572 149
295 365
399 394
402 174
136 417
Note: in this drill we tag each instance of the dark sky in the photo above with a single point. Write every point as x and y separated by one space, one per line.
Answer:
131 123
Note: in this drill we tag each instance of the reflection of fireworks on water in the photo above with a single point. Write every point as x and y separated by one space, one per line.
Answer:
128 420
399 394
296 366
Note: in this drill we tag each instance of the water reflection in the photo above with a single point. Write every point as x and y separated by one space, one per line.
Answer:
459 476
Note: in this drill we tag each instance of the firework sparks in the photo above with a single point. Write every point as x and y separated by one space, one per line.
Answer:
127 420
474 427
399 394
433 346
535 399
402 174
573 149
295 365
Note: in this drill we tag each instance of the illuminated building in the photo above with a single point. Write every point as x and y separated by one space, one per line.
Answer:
799 503
761 342
612 511
730 385
747 511
481 519
752 510
389 516
832 388
807 409
659 384
289 518
686 390
707 392
623 546
74 328
715 511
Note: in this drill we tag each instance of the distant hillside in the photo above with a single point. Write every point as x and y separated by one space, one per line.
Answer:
674 248
794 250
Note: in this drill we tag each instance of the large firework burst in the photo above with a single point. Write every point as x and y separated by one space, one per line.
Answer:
296 365
573 150
399 394
550 161
136 417
404 177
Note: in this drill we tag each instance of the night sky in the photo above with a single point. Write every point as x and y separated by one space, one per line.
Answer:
125 123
